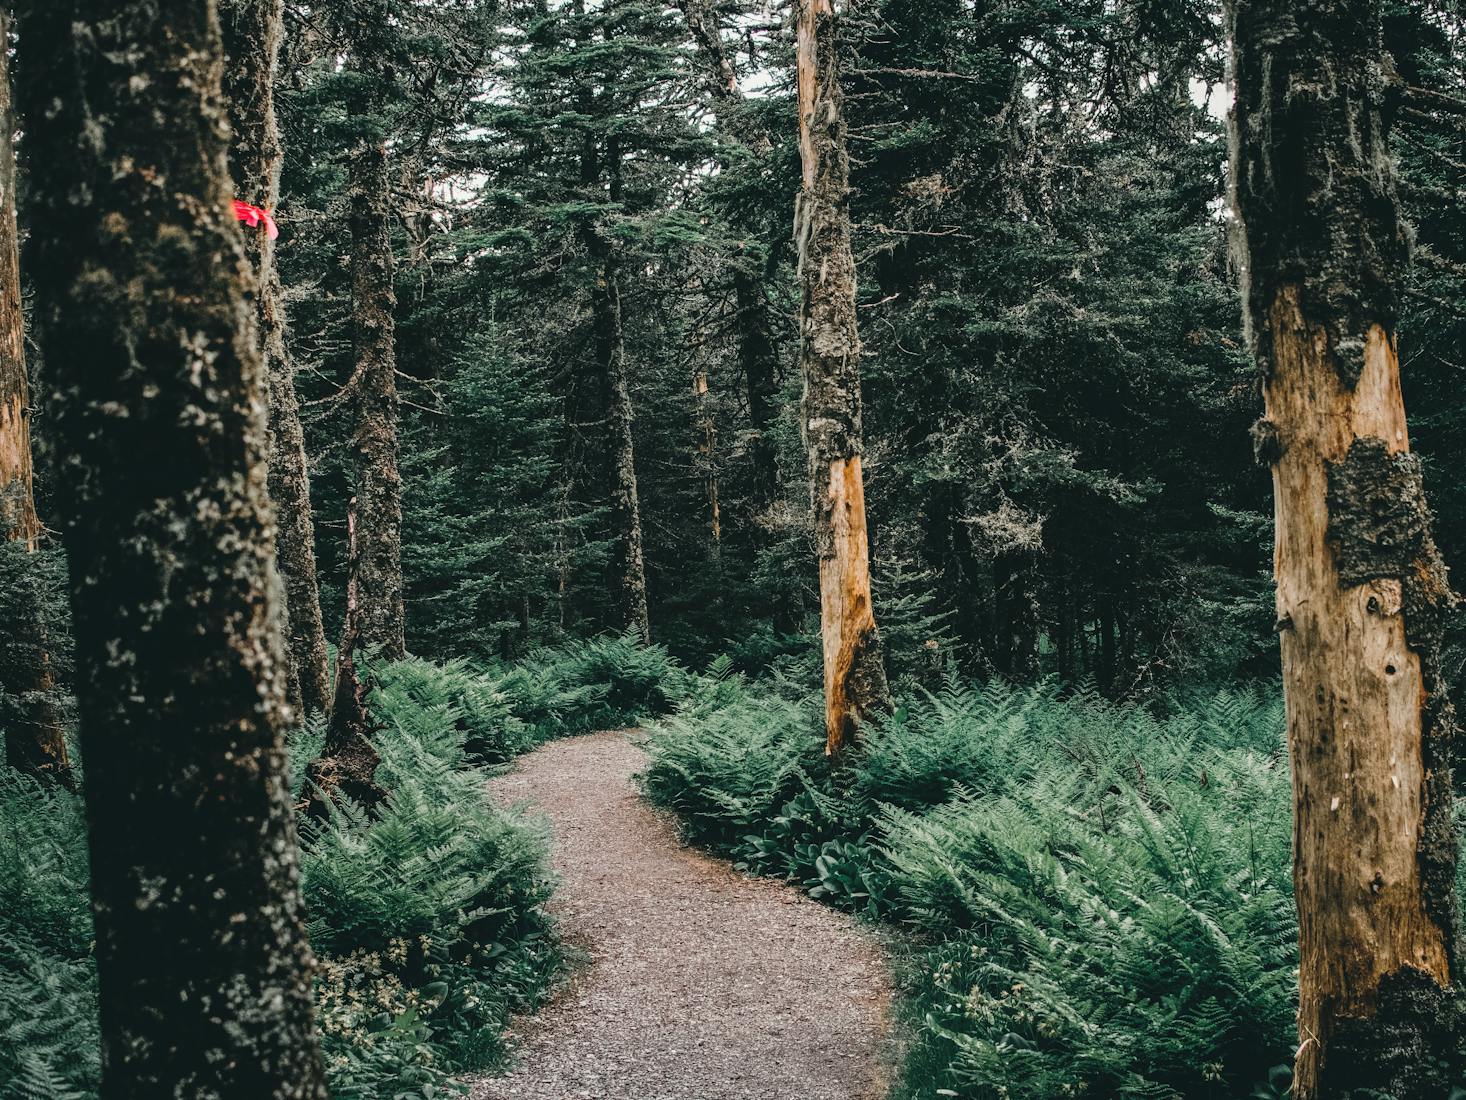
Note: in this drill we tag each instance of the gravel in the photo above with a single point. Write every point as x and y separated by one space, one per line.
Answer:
702 983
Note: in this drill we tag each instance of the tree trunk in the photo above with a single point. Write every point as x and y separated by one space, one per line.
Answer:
1361 590
348 761
707 463
159 395
855 675
252 30
34 740
628 565
757 354
1016 574
612 387
374 300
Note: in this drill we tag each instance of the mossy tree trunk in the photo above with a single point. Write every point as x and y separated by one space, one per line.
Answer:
34 740
252 30
374 303
158 391
1361 589
855 675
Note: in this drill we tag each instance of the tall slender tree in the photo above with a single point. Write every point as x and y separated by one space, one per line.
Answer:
601 178
373 385
252 30
855 673
1361 589
757 354
159 397
34 741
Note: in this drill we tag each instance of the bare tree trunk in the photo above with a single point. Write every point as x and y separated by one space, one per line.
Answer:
159 395
374 301
252 30
855 675
1361 590
34 739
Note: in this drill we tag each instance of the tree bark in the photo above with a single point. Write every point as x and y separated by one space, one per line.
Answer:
628 563
855 676
1361 589
374 301
348 761
159 398
252 30
34 739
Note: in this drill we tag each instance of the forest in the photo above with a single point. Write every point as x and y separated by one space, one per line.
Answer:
732 549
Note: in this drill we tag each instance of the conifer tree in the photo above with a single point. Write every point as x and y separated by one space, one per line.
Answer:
158 389
373 386
1362 593
252 30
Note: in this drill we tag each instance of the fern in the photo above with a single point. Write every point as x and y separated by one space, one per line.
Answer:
1100 895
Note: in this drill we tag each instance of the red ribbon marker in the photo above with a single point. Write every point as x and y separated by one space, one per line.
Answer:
253 216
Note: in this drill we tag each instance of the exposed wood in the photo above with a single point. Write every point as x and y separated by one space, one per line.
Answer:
1361 588
855 678
35 741
1355 701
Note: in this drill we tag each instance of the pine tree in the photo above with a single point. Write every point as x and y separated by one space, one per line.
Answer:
1361 589
159 397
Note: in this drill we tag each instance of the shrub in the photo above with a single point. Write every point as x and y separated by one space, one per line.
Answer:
49 1038
429 919
1100 896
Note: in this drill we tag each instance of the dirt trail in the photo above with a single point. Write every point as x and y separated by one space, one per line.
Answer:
703 984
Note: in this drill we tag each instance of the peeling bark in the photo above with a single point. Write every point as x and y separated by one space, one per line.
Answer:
159 399
252 30
855 676
34 740
1361 589
374 302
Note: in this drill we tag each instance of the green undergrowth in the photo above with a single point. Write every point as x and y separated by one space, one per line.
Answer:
1095 900
428 920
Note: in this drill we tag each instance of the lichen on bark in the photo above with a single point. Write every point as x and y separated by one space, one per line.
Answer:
1312 170
252 32
158 393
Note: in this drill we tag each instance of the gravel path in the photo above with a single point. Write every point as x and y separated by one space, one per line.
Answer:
703 984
